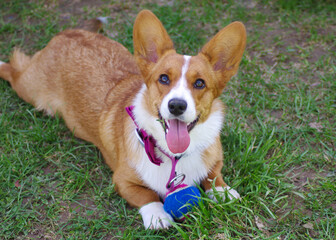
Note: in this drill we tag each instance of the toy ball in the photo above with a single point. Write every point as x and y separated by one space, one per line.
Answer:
179 202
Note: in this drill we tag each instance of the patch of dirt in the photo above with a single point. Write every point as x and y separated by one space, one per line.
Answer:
333 206
282 43
48 169
300 178
64 215
80 207
274 116
37 233
76 7
317 53
13 18
83 204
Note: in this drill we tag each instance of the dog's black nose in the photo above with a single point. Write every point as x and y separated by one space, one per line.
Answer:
177 106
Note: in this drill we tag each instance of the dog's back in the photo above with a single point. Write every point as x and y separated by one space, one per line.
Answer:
73 73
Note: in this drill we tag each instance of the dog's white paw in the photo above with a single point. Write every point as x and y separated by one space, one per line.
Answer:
231 193
154 216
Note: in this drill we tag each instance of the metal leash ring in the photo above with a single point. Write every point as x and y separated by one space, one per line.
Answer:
137 133
176 178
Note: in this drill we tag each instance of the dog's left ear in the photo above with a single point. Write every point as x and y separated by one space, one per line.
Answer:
150 40
224 52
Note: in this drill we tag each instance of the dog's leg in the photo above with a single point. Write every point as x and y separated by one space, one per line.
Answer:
154 216
214 184
6 71
13 71
136 194
28 80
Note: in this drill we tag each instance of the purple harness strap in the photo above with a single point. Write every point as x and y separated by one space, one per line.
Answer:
149 145
148 140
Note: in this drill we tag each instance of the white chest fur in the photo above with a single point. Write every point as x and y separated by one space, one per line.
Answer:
156 177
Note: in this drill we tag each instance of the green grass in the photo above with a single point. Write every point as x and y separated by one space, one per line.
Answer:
278 138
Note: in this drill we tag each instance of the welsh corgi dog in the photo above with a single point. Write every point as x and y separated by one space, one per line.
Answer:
90 80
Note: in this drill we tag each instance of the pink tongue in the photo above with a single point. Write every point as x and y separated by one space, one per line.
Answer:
177 137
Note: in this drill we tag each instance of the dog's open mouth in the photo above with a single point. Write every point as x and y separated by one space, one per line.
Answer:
177 133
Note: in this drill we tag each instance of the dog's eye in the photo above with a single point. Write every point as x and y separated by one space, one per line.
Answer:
199 84
164 79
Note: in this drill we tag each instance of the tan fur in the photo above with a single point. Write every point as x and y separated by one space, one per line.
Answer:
90 79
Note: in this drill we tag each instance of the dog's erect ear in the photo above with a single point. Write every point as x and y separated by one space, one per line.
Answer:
150 40
225 50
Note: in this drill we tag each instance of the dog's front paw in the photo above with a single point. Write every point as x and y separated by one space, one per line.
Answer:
222 192
154 216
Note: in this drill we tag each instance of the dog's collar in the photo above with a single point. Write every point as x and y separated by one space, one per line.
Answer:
149 143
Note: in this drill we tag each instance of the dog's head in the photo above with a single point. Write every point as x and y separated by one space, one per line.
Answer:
181 89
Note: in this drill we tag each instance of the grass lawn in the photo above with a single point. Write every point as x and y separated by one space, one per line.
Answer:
279 134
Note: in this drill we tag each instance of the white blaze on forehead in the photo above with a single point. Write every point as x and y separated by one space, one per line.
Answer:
181 85
180 91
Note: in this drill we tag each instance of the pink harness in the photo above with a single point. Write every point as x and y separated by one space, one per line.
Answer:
149 144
